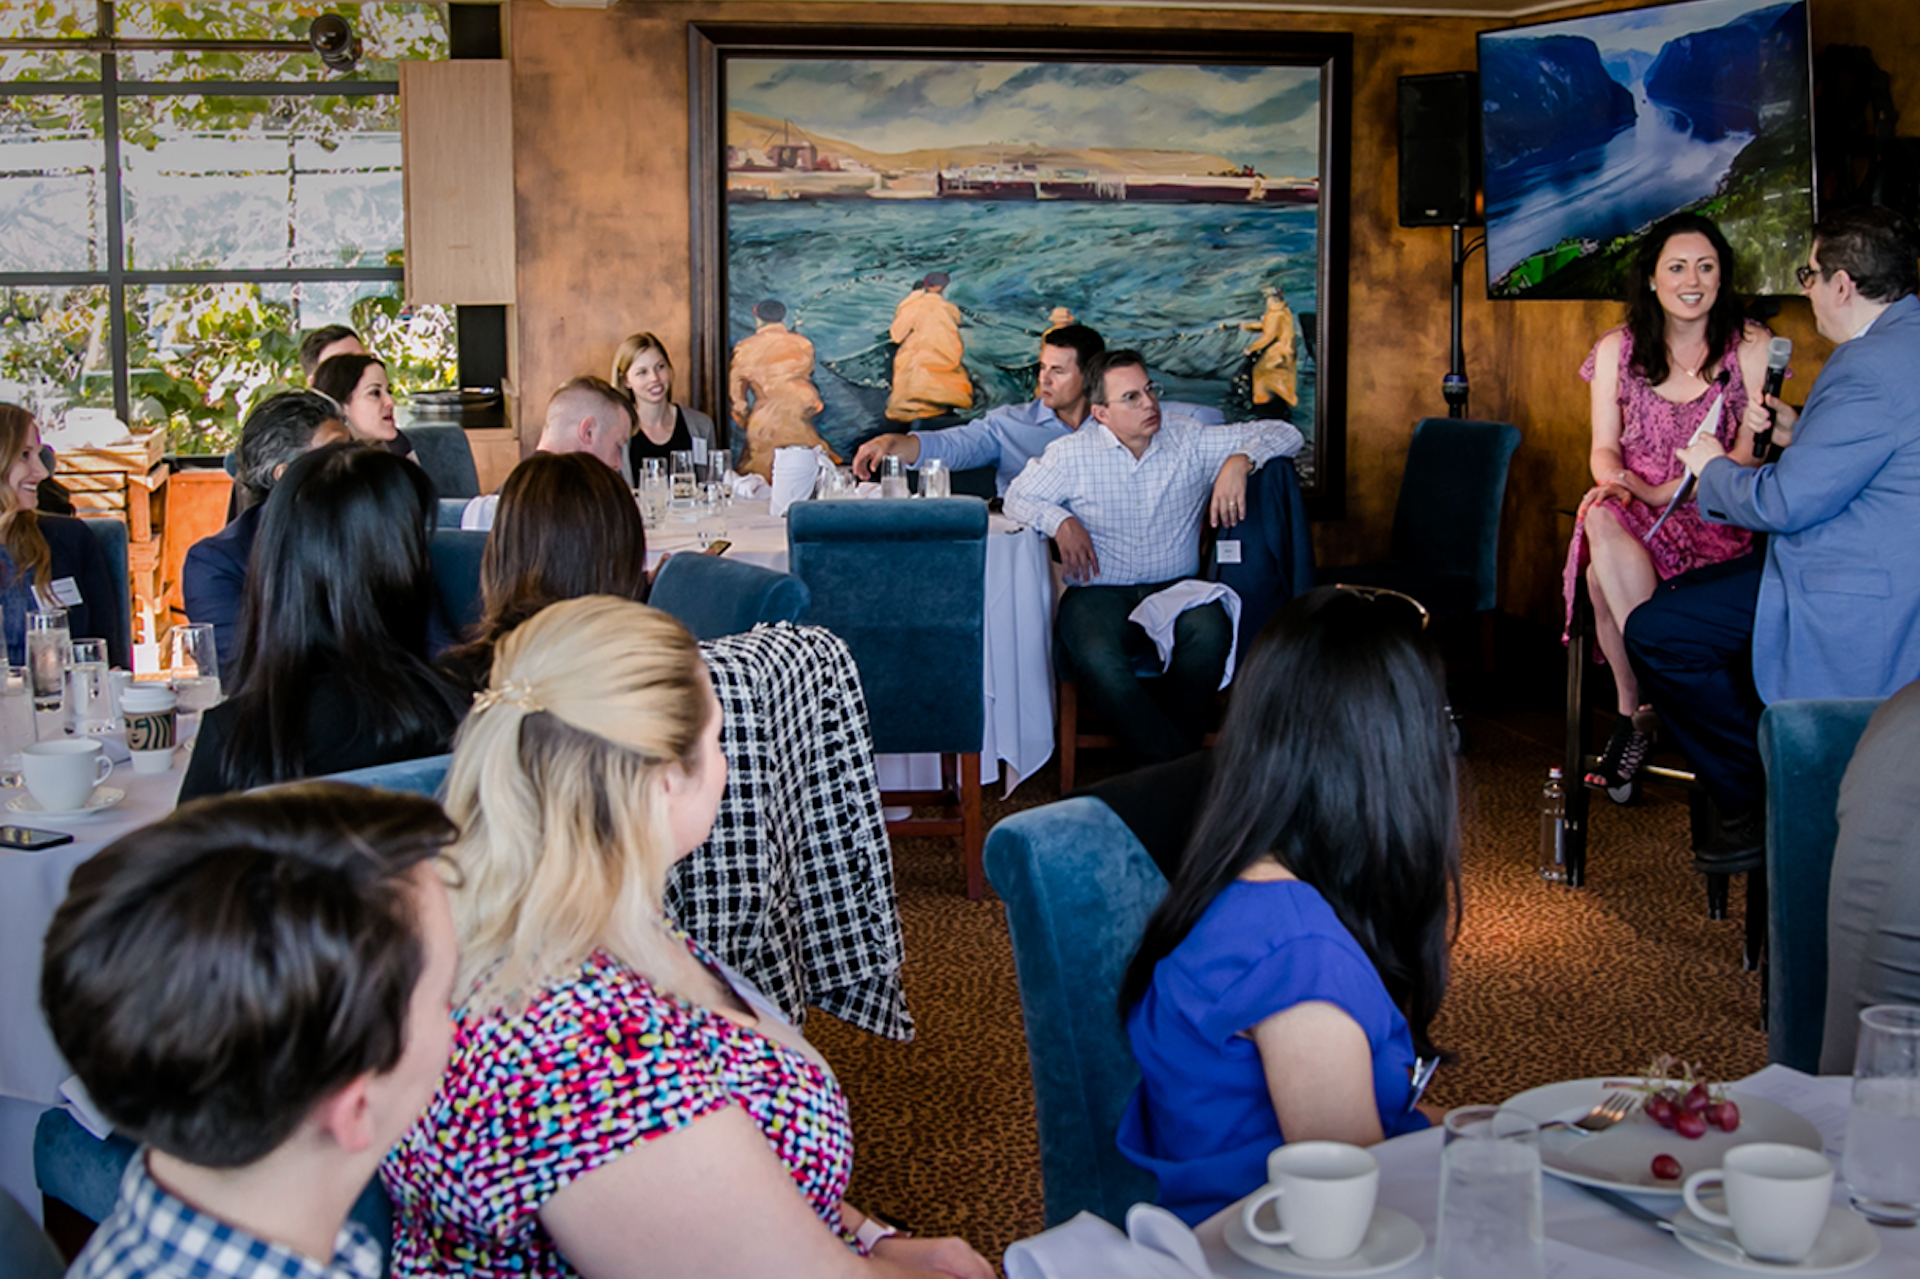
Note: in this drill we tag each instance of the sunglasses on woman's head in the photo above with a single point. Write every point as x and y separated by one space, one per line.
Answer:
1415 611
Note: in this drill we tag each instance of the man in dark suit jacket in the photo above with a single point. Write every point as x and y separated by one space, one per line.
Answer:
214 577
1833 610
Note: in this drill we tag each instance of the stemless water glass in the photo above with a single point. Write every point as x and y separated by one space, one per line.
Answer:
719 462
680 471
712 523
654 491
1491 1221
193 674
1882 1160
935 479
893 478
16 715
89 691
47 643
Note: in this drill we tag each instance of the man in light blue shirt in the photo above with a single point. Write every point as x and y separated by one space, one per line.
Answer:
1011 436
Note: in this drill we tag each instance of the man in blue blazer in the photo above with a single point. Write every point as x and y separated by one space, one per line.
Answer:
1833 608
214 576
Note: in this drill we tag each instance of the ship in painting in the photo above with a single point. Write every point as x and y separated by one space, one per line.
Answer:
784 162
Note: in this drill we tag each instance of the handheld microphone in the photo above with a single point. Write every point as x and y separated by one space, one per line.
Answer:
1779 351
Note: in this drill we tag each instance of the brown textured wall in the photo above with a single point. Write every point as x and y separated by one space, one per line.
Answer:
600 177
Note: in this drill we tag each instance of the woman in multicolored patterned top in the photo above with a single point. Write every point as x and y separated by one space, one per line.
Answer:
616 1102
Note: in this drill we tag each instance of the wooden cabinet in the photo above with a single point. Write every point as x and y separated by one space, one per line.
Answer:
456 130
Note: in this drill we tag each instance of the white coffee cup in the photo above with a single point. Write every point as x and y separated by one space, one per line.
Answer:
1777 1198
61 775
1323 1193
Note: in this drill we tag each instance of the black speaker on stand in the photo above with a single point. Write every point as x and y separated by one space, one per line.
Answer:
1440 183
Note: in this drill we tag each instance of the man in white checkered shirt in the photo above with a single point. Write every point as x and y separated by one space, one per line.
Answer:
256 990
1123 499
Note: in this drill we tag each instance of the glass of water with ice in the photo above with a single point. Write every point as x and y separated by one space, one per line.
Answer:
1882 1160
1490 1211
48 644
193 673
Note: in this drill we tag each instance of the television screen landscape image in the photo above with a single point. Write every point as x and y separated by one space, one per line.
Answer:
1596 128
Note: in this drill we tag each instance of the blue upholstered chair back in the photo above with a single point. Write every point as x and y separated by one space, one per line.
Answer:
442 450
423 776
1275 545
449 511
456 574
1078 888
714 596
111 536
1805 746
904 584
81 1171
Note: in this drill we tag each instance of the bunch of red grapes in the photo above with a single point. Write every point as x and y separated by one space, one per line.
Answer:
1676 1100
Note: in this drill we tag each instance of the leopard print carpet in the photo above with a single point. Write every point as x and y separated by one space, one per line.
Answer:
1548 983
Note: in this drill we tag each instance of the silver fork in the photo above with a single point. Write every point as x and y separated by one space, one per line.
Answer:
1606 1112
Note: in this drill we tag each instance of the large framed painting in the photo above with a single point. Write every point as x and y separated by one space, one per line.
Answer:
887 220
1597 127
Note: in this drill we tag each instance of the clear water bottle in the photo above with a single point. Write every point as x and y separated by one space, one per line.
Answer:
1553 829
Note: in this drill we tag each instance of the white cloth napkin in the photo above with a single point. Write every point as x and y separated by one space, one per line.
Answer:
1157 1245
85 1113
794 469
1157 613
751 488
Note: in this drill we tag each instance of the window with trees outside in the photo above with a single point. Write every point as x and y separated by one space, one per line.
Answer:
172 218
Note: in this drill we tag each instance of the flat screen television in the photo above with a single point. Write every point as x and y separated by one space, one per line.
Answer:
1595 128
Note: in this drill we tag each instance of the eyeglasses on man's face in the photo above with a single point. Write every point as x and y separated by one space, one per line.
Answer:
1806 275
1412 608
1138 399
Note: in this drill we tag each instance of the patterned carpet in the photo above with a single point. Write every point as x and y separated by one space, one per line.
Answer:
1548 984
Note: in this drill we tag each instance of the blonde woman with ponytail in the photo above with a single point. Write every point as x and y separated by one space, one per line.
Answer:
617 1103
50 561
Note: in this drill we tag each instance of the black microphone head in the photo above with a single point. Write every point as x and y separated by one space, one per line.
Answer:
1779 351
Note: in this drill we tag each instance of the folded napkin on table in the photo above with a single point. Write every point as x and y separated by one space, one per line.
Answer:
750 488
794 470
1157 614
1157 1245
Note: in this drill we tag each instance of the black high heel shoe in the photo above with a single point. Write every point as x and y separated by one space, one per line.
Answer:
1627 749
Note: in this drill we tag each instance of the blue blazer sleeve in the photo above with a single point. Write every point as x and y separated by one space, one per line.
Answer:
213 580
102 611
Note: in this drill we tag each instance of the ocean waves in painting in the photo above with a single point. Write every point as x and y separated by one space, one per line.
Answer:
1175 281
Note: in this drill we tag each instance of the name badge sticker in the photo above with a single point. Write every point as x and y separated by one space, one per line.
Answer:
1226 552
67 591
699 451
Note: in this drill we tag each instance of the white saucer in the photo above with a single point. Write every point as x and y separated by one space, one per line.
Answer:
1845 1242
1393 1239
102 797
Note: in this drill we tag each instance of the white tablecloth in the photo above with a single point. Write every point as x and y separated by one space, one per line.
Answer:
1587 1239
32 886
1019 645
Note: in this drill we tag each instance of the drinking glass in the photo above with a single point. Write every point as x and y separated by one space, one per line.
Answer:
935 479
1490 1212
680 469
1882 1160
47 642
16 715
88 689
719 462
653 491
193 674
893 478
712 523
833 482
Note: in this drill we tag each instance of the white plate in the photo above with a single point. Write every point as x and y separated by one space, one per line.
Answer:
1393 1239
1621 1158
103 797
1846 1241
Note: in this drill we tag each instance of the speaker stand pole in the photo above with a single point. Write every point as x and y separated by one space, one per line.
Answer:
1454 386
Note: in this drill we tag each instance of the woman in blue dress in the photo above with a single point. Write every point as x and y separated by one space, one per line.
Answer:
1287 981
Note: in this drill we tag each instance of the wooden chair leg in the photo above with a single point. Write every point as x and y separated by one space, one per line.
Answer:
973 837
1069 729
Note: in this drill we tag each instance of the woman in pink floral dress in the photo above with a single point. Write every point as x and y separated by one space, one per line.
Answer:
1655 380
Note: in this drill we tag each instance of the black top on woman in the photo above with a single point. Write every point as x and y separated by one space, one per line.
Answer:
332 671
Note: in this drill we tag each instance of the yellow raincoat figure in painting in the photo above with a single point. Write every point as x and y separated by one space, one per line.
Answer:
770 385
927 378
1276 372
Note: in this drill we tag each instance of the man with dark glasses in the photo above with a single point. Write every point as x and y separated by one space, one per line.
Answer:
1832 609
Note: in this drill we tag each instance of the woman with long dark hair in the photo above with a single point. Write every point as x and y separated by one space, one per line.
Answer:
1291 974
50 561
566 527
360 386
1685 347
332 671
